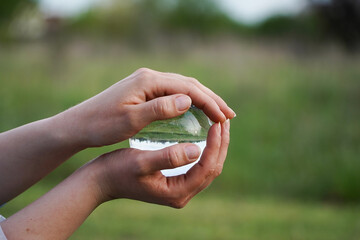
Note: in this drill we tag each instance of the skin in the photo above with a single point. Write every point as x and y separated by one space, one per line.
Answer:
112 116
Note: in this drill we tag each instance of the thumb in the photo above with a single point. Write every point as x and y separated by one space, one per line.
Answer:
164 107
168 158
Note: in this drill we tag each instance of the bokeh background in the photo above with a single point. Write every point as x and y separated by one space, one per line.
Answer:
290 69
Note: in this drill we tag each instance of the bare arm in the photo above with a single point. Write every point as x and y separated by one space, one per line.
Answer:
125 173
30 152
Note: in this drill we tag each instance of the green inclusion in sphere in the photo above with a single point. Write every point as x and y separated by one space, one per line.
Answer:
191 127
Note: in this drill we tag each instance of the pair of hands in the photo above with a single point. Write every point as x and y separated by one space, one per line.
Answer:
31 151
121 111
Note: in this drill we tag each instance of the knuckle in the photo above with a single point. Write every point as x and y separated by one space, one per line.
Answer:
144 75
177 204
143 70
135 158
137 165
218 171
173 157
218 144
211 172
193 80
193 85
160 107
227 141
178 199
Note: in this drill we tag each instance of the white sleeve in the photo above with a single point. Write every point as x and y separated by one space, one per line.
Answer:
2 235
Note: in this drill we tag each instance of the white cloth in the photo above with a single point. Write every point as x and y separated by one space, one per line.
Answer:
2 235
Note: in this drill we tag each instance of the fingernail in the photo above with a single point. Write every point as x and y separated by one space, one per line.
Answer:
182 102
224 117
227 124
219 128
192 151
234 113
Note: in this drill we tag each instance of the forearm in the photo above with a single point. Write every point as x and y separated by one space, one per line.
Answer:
30 152
57 214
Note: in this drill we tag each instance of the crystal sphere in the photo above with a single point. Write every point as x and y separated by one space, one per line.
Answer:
190 127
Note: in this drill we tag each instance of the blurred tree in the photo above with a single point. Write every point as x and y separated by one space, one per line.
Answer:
142 19
277 25
341 19
305 26
9 8
198 16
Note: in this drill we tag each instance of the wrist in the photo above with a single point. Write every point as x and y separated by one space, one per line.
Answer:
63 129
95 179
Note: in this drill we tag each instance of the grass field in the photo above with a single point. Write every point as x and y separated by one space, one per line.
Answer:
294 150
211 216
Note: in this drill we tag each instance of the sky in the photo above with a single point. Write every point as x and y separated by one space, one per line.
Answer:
252 11
66 7
248 11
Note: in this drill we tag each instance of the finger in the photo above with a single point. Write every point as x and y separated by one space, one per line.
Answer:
225 140
163 107
229 113
169 84
199 98
206 167
202 100
171 157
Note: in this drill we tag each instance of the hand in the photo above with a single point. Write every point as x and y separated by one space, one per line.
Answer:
135 174
126 173
125 108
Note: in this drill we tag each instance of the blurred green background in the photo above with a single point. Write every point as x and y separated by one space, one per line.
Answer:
292 170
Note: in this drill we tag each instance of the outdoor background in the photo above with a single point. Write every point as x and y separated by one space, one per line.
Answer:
291 73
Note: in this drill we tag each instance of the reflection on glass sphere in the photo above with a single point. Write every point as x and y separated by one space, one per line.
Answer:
192 127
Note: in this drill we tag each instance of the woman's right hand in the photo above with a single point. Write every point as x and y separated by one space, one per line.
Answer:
126 173
123 109
135 174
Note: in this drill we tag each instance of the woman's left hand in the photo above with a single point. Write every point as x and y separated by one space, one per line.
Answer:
123 109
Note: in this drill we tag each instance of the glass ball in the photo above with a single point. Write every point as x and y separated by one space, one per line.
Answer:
190 127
